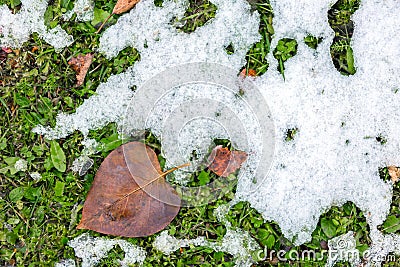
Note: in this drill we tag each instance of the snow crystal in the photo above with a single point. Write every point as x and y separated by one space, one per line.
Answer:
382 245
84 10
343 249
235 242
21 165
83 163
334 156
168 244
221 211
35 176
91 250
16 28
65 263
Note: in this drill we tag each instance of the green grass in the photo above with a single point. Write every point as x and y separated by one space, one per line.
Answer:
340 21
37 217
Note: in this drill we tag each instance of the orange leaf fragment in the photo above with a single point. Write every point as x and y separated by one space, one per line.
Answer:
129 196
120 7
249 72
123 6
80 65
394 173
224 162
7 50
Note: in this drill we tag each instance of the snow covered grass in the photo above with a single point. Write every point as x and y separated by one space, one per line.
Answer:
40 211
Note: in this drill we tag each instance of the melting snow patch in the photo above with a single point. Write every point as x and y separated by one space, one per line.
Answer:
16 28
91 250
334 157
169 48
65 263
83 163
35 176
235 242
169 244
382 246
84 10
21 165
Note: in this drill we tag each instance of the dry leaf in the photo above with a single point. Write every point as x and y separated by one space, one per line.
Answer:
224 162
120 7
80 65
250 72
129 196
123 6
7 50
394 173
34 49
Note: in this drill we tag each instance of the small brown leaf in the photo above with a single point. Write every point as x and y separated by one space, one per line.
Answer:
249 72
129 196
80 65
34 49
120 7
394 173
7 50
123 6
224 162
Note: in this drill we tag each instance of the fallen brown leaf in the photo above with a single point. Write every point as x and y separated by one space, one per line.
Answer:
129 195
394 173
80 65
224 162
120 7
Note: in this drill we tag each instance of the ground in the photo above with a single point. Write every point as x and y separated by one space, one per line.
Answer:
37 217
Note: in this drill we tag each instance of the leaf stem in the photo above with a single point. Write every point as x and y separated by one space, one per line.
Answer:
102 25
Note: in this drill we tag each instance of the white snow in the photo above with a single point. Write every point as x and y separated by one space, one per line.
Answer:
92 250
148 26
169 244
84 10
65 263
83 163
381 247
236 242
318 169
16 28
21 165
35 176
